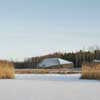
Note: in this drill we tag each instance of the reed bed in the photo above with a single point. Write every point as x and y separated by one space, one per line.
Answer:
91 71
6 70
46 71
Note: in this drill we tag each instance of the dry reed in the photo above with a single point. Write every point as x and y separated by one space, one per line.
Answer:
91 71
6 70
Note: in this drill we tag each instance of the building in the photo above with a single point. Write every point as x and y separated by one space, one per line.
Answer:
55 63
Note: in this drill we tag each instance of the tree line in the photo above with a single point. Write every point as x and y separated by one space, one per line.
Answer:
78 58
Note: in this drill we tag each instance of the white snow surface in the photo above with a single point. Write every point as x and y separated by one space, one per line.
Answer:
49 77
49 87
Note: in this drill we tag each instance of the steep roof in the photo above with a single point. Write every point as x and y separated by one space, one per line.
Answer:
53 62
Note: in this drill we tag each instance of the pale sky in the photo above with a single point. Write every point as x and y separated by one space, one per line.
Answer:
36 27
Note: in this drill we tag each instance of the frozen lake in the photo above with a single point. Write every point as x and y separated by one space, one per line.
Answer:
50 77
49 87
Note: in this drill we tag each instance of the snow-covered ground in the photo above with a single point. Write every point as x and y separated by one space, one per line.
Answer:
49 87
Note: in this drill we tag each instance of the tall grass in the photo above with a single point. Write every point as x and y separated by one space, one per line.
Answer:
91 71
6 70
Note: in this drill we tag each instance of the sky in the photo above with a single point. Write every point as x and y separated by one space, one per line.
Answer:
36 27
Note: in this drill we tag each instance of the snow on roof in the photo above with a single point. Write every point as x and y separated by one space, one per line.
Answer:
53 62
96 61
64 61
